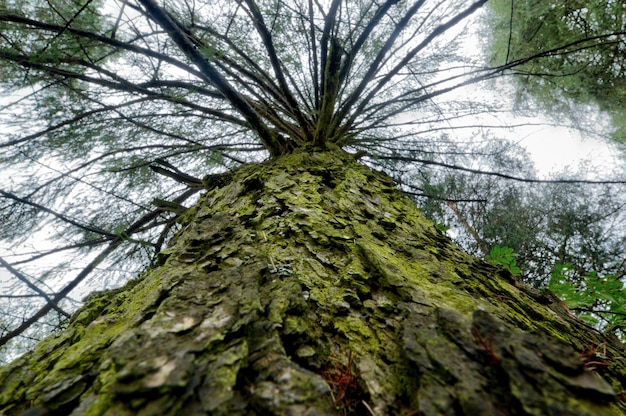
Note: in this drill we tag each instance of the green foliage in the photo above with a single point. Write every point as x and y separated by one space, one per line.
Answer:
63 51
595 298
589 72
442 227
544 224
505 257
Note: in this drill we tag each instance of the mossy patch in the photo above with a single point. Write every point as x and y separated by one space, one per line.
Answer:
293 263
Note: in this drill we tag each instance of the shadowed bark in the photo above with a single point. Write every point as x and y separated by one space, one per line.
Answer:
308 285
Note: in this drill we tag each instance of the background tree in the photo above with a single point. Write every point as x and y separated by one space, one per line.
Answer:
117 101
547 226
591 73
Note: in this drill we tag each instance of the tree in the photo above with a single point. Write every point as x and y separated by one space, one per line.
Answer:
591 73
547 228
303 285
309 285
556 235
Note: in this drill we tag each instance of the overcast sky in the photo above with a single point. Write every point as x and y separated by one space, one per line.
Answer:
554 148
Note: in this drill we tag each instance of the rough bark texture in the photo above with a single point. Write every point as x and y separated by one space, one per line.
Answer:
309 285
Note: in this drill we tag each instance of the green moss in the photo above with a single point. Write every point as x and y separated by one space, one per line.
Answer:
294 263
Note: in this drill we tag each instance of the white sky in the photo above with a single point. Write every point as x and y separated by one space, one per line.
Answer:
554 148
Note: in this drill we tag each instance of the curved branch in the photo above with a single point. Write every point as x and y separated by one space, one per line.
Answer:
329 21
266 37
62 217
489 173
119 84
210 74
111 247
33 287
69 122
375 65
436 32
63 293
365 34
56 250
109 41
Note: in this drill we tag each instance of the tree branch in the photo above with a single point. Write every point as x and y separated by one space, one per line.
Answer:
266 37
488 173
63 218
210 74
33 287
111 247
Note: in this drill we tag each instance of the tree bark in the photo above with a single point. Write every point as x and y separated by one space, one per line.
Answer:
309 285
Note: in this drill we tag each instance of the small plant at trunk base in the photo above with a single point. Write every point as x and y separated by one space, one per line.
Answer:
503 256
348 395
487 346
442 226
594 356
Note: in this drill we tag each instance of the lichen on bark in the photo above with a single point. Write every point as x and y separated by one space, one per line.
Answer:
309 285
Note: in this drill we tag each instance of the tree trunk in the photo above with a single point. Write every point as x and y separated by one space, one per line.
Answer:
309 285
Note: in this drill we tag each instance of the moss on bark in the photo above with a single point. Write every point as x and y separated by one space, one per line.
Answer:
309 285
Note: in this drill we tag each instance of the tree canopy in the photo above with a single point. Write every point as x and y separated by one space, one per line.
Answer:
115 111
591 72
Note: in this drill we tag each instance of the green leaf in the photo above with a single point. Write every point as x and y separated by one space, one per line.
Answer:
505 257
